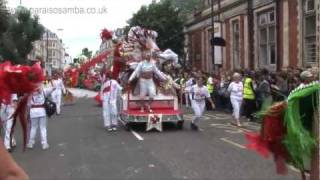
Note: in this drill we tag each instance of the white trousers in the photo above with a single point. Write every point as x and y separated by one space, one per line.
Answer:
236 105
147 87
110 114
186 96
198 109
7 130
56 98
35 122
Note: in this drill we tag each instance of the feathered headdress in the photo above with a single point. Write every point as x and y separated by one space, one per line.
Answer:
106 34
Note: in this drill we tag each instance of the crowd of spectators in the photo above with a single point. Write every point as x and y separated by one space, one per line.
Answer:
266 84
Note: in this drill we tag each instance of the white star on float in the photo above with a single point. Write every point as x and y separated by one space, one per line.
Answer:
154 122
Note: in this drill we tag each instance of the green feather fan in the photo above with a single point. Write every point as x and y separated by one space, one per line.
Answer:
299 140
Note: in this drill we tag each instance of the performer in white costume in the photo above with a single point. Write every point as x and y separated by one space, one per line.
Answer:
56 95
236 96
109 95
145 71
189 83
38 116
199 93
7 111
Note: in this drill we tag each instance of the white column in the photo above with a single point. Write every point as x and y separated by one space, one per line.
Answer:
318 30
224 52
300 33
285 35
246 41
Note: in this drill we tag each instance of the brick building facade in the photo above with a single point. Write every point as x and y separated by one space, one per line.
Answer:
273 34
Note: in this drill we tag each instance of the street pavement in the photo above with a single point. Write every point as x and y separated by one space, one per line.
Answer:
80 148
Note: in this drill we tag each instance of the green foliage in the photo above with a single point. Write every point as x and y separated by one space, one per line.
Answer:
87 53
76 60
186 7
22 30
163 18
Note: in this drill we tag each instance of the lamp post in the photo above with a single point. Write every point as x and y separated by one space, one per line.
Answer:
212 36
47 57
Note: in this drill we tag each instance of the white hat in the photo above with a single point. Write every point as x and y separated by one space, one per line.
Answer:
236 75
305 75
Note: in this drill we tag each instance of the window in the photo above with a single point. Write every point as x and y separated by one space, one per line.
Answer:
309 32
54 63
309 5
50 53
262 19
271 17
235 44
267 38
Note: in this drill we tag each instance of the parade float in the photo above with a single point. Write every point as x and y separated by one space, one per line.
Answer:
128 57
121 57
123 61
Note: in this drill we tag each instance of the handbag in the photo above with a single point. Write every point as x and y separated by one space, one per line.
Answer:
49 106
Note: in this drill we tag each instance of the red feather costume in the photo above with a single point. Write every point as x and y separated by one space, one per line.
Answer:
22 80
270 139
118 63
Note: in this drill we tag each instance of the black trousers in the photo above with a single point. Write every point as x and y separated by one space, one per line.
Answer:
249 107
208 104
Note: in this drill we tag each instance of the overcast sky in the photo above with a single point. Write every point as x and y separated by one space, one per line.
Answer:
81 20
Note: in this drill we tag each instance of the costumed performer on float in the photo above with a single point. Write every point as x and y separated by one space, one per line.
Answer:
169 86
145 71
110 90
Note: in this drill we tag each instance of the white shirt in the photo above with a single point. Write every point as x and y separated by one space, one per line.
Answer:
210 80
199 94
8 109
189 82
58 84
236 90
146 66
38 98
110 90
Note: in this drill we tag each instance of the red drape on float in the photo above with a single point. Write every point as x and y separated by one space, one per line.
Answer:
99 59
73 73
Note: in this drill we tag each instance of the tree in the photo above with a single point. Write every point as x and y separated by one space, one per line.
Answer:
76 60
87 53
186 7
163 18
16 42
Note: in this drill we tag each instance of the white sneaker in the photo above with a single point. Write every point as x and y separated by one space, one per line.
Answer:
30 145
114 129
45 146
